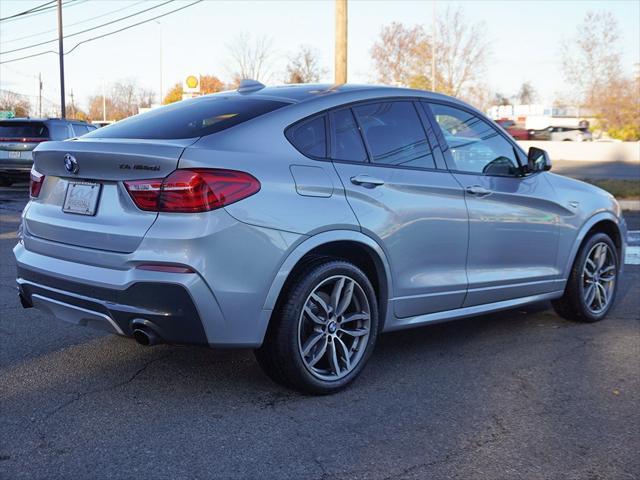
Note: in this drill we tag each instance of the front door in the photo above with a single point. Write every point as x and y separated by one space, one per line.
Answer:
415 211
514 220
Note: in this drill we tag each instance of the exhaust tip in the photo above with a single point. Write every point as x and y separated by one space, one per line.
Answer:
145 337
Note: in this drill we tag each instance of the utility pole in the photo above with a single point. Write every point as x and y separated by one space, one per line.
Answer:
63 112
433 49
40 95
341 42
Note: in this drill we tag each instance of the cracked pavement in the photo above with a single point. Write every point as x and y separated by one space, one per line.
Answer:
520 394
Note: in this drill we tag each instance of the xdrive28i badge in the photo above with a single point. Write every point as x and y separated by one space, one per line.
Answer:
70 163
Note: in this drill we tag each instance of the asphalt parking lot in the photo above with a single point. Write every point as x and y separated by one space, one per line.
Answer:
520 394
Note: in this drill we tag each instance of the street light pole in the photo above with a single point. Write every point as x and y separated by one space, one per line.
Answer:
161 86
341 42
63 112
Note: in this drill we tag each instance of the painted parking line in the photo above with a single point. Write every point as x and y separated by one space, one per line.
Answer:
632 256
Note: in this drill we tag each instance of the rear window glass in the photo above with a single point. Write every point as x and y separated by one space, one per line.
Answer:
310 137
189 118
23 130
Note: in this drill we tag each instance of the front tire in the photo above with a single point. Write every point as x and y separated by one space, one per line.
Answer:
593 283
323 330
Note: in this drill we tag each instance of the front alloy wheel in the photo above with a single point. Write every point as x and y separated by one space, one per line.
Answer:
592 284
599 277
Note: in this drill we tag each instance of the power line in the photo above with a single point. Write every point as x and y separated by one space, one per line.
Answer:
31 10
106 14
88 29
103 35
51 8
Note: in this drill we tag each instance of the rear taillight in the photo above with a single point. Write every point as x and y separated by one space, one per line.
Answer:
192 190
35 183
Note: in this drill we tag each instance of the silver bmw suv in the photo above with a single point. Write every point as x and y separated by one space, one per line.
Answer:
302 221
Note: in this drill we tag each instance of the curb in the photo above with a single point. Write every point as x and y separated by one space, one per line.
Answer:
630 205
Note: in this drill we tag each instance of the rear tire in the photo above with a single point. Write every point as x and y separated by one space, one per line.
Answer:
593 283
324 329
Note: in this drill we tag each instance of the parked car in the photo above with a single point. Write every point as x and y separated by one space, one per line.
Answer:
19 136
303 221
561 134
516 132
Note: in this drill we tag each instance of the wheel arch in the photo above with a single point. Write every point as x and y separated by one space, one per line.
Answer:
605 222
348 245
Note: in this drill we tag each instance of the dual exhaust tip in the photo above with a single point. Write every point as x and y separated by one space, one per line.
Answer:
146 337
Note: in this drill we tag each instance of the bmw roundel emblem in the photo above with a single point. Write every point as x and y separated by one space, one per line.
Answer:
70 163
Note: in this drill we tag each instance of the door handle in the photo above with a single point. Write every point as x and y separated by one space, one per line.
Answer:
478 191
366 180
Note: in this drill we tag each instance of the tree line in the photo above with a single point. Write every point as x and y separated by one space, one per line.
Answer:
451 56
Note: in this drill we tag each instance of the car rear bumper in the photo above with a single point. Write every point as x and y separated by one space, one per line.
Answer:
172 305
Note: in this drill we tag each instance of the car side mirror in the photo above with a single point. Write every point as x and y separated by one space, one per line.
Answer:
538 160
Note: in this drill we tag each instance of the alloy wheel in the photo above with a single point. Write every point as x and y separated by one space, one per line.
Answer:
598 278
334 328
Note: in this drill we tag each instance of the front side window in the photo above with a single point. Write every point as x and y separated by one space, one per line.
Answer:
475 146
394 134
346 141
309 137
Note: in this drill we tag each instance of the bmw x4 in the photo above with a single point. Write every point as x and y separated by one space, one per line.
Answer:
303 221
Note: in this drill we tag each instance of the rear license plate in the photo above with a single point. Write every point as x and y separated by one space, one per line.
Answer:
14 154
81 198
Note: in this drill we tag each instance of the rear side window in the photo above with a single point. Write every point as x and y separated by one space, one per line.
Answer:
309 137
346 141
60 131
189 118
394 134
23 130
79 130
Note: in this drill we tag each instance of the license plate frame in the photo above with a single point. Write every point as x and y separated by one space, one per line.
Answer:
14 154
82 198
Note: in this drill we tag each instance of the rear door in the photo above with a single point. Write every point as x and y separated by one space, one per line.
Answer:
514 220
414 210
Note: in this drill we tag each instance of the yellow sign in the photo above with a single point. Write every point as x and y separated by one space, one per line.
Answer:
191 81
191 84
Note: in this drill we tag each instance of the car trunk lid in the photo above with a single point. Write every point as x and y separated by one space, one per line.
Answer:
116 224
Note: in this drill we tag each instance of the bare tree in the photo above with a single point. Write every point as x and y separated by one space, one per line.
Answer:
123 99
13 102
527 94
461 52
593 68
304 66
251 57
403 55
593 59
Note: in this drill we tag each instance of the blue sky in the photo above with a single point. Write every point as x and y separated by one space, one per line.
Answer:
527 39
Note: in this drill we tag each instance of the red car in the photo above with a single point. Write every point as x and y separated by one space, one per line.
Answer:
516 132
